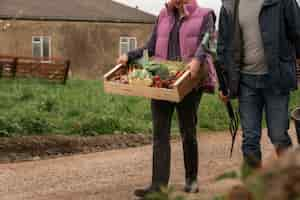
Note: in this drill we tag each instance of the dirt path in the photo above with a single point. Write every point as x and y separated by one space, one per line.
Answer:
113 175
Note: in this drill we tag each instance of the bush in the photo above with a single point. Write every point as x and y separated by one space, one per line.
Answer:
34 125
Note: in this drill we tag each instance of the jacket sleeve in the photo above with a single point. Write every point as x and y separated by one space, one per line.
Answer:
207 26
150 45
222 36
292 17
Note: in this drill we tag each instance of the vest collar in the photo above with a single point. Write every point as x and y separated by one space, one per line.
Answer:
189 8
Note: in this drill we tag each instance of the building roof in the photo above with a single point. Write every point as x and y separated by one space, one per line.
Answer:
73 10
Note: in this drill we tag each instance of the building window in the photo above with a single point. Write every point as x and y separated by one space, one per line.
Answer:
41 46
127 44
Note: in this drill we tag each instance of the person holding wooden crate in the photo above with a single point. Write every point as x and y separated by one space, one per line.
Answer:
259 41
177 36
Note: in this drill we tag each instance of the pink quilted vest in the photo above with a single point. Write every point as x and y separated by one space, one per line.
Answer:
189 37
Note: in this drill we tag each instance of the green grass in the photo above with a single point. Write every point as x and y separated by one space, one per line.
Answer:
81 107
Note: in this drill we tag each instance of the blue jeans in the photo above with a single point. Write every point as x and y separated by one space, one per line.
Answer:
255 96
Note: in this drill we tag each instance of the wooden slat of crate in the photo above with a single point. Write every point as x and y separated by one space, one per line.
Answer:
51 76
27 67
149 92
7 66
23 75
45 72
112 72
53 65
7 75
185 84
54 69
58 77
51 71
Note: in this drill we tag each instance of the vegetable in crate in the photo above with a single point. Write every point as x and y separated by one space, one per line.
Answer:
167 72
164 73
149 72
140 77
157 69
163 68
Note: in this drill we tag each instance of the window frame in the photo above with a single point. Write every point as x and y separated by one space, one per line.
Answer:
41 43
121 42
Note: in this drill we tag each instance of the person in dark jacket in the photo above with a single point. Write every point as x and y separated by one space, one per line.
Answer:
177 35
259 41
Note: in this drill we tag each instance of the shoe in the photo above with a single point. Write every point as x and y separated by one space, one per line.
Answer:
144 192
191 186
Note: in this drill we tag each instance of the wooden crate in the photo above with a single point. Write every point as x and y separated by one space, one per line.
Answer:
179 90
7 66
53 69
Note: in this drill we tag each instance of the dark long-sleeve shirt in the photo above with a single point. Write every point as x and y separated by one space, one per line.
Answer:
174 44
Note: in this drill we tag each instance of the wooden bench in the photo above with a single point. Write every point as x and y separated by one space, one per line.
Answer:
51 69
27 67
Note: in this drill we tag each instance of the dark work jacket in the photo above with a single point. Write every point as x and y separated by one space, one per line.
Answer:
280 29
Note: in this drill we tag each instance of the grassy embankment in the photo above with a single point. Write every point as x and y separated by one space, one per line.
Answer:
81 107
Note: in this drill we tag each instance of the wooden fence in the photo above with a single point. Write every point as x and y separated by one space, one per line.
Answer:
27 67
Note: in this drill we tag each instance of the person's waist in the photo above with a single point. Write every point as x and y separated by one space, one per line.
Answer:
255 80
254 76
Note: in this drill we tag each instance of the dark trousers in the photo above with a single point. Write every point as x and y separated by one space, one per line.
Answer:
162 112
256 97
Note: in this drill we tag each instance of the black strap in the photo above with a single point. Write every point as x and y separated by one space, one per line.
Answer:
236 10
